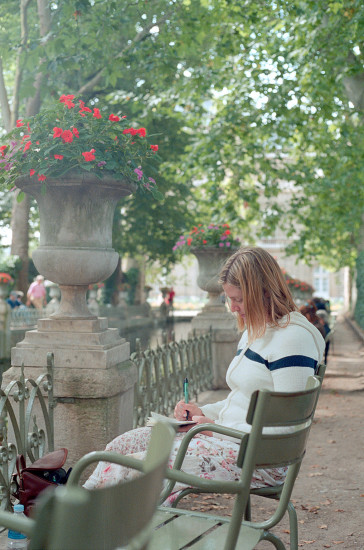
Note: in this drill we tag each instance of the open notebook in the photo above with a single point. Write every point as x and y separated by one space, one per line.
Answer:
155 417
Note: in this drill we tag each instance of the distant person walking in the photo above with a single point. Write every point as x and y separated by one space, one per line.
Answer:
37 293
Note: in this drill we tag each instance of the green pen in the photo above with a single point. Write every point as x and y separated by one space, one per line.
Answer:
185 391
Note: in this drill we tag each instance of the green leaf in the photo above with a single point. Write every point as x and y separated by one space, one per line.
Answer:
20 196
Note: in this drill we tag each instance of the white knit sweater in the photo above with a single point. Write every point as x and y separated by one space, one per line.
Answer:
281 360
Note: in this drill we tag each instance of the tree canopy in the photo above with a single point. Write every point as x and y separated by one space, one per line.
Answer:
249 98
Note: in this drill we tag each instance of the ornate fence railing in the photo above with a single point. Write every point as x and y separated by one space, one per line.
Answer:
21 431
26 317
161 372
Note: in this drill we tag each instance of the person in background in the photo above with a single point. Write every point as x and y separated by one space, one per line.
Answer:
278 351
171 296
321 303
37 293
325 318
13 300
20 296
309 311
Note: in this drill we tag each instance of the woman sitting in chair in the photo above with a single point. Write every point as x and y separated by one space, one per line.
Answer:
279 350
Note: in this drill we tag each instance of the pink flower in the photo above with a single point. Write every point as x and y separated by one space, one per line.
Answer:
2 150
58 157
139 173
142 132
97 113
114 118
31 172
19 123
27 145
41 177
75 131
154 148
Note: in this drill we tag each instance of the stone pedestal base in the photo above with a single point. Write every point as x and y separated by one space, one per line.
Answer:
93 380
225 338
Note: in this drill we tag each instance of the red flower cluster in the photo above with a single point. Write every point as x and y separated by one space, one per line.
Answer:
89 155
214 235
5 278
134 132
297 284
67 100
31 151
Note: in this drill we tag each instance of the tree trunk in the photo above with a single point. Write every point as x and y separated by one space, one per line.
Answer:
20 213
20 239
359 306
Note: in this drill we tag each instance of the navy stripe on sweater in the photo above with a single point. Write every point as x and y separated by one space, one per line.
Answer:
288 361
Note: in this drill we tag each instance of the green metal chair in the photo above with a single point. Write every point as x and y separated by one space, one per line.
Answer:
73 518
275 492
271 492
257 450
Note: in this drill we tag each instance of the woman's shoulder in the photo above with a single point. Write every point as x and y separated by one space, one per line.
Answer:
299 336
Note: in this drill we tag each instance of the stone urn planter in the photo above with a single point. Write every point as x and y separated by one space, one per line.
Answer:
210 261
215 316
4 291
76 214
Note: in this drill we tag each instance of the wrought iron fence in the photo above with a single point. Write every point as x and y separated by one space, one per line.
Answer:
21 432
160 377
161 372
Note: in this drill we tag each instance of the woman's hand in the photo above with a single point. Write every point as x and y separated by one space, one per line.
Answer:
203 420
180 410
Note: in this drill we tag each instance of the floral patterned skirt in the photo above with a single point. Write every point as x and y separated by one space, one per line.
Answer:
207 457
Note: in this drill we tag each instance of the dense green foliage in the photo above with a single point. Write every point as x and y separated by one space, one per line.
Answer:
248 98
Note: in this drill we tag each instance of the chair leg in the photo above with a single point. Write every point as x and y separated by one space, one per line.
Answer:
278 544
293 527
248 511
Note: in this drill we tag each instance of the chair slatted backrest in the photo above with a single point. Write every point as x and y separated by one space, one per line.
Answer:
320 371
286 420
105 518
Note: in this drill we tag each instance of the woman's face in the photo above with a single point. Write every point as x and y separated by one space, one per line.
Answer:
235 297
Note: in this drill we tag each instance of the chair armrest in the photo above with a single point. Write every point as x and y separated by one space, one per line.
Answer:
13 521
210 485
104 456
216 428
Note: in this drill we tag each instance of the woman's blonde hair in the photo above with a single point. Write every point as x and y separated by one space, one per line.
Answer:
265 293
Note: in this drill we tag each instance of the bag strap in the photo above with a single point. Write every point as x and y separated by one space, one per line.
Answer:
20 464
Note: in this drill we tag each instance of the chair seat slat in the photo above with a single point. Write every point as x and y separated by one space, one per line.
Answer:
181 530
